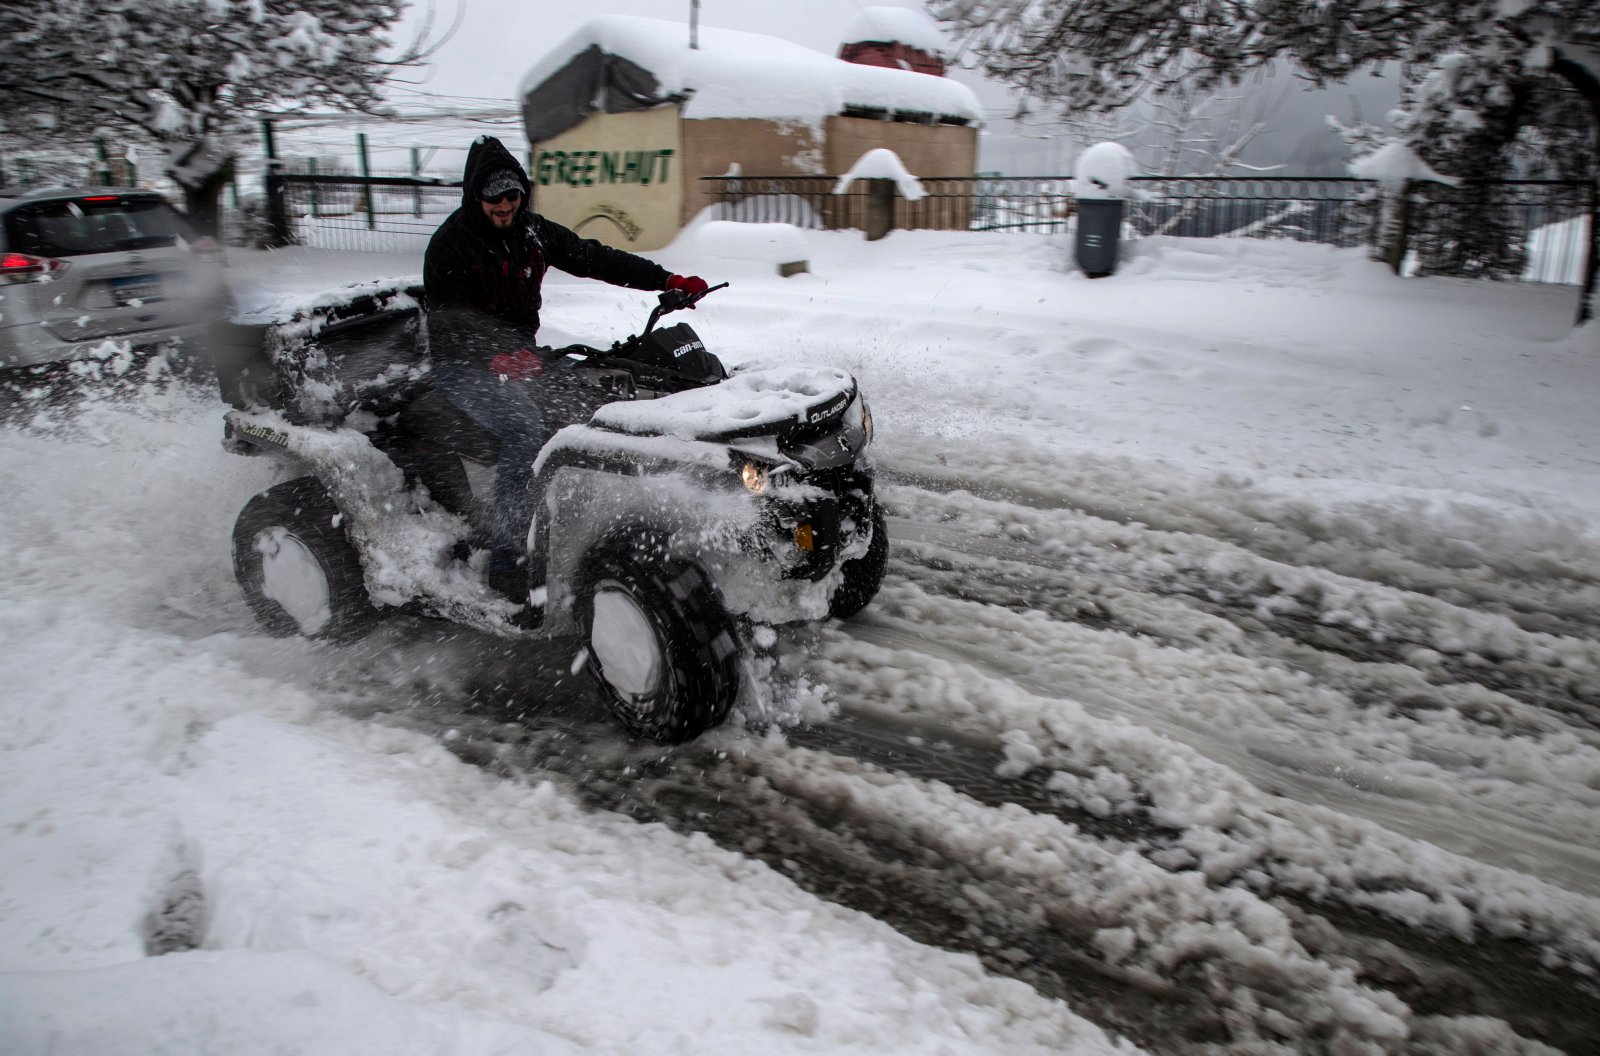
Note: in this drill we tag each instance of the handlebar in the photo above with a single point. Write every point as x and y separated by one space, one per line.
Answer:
675 301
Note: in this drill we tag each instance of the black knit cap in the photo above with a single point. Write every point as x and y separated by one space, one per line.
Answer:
499 182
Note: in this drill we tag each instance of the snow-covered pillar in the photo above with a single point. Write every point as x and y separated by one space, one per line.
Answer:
1391 233
880 208
1395 167
884 173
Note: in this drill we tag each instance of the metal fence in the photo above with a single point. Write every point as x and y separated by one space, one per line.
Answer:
1043 204
377 213
1328 210
804 201
1533 229
1536 230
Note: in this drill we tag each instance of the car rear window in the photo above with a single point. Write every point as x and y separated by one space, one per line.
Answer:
75 226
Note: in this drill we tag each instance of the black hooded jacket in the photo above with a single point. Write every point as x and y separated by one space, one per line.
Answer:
471 264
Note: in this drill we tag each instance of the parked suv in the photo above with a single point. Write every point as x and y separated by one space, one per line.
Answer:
81 266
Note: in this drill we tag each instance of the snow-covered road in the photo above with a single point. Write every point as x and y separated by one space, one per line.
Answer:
1234 684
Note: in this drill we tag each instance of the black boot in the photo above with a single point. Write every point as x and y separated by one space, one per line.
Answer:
512 584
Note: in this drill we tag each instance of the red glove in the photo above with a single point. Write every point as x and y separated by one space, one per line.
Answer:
520 365
690 284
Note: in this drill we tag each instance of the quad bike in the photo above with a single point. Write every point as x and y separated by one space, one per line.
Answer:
675 506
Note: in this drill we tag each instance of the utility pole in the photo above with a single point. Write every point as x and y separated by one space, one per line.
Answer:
694 24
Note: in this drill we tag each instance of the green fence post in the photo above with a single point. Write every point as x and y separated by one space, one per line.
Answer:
366 178
103 173
311 169
277 210
416 174
1591 265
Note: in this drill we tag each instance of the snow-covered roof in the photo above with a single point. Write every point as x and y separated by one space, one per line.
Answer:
748 75
902 25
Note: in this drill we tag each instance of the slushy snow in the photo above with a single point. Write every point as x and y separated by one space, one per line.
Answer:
223 842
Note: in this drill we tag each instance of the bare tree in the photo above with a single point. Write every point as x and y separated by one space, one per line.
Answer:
189 76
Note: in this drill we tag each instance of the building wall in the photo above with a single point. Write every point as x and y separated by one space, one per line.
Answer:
777 148
633 180
759 147
927 150
617 178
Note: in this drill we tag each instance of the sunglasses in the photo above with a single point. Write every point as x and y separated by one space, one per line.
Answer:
506 197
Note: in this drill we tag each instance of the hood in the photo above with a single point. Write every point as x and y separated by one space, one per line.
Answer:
486 156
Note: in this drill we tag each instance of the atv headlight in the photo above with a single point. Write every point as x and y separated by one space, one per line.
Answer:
866 418
754 478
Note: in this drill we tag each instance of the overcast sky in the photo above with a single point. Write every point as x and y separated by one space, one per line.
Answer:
497 41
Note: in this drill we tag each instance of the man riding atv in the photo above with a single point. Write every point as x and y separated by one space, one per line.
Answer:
647 500
483 271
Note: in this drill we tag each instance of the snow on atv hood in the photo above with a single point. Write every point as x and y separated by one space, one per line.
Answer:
768 399
311 309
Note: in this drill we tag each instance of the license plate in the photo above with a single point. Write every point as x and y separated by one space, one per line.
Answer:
140 288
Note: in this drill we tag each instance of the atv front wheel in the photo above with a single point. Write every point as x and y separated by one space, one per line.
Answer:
662 649
864 575
299 573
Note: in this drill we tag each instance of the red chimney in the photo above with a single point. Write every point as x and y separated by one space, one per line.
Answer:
892 54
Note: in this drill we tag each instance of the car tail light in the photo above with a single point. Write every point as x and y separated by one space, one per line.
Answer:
206 248
20 267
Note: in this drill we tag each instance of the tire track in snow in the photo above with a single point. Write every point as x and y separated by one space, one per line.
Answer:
1362 619
859 811
1375 673
1548 584
1450 764
918 831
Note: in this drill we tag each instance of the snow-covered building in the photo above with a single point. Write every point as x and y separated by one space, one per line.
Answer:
627 114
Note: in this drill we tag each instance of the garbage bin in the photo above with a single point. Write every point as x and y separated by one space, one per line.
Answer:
1099 228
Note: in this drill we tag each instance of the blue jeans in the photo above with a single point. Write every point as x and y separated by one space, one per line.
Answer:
509 411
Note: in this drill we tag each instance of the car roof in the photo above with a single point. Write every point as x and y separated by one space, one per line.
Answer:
11 197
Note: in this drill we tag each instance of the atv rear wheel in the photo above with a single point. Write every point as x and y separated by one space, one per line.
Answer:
863 575
298 571
662 650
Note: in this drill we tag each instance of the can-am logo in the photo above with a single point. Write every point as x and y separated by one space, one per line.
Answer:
684 350
828 410
261 432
